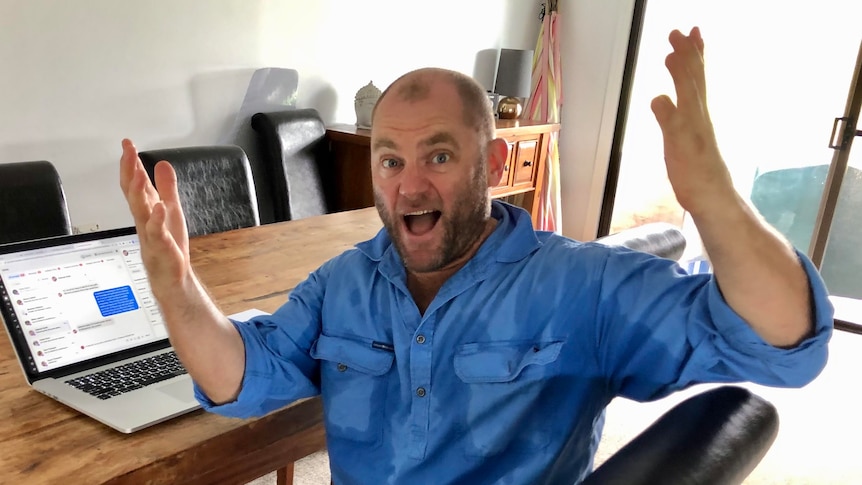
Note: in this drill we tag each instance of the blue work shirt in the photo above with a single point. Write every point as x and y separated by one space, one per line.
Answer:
506 376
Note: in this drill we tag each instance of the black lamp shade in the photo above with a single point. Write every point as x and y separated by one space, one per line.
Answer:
514 72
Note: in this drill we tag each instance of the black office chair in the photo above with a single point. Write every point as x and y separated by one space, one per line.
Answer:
214 183
293 147
32 202
660 239
714 438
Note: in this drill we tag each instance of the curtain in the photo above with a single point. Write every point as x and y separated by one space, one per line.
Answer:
544 105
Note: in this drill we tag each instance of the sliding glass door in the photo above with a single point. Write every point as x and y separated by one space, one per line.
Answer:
836 245
778 74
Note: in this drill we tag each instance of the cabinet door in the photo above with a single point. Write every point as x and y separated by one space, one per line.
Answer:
506 180
524 164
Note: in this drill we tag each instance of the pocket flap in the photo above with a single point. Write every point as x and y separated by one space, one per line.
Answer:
502 361
355 354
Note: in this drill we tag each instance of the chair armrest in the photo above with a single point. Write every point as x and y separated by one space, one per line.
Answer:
717 437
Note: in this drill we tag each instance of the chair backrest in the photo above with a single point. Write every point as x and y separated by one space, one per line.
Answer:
717 437
661 239
32 202
293 148
214 183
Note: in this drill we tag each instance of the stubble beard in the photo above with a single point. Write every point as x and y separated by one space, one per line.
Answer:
462 226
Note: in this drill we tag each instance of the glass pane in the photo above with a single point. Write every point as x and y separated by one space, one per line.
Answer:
777 77
842 261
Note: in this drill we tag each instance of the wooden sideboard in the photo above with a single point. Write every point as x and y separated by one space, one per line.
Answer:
350 173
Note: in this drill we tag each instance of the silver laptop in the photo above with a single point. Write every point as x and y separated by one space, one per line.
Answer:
87 332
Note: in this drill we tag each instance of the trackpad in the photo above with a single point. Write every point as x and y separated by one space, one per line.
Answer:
181 390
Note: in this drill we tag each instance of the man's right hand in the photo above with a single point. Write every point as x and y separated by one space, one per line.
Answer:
207 343
159 220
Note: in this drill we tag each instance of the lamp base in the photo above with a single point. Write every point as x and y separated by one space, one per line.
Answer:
509 108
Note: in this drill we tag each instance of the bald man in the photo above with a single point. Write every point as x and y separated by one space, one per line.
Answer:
462 346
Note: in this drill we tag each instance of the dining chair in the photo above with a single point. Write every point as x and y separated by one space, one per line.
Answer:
293 152
32 202
214 183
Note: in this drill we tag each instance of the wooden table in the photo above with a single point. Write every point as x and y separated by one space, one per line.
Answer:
42 441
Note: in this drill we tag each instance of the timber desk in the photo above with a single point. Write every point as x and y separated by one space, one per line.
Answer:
44 442
523 175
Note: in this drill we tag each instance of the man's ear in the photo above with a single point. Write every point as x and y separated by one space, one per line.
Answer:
498 156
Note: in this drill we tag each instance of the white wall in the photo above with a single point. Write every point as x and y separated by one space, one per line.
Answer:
79 76
594 41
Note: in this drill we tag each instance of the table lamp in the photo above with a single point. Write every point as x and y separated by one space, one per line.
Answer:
513 81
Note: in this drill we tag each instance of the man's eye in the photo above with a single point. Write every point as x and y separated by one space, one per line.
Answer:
390 163
441 158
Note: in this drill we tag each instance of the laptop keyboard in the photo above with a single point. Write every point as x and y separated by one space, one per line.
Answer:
109 383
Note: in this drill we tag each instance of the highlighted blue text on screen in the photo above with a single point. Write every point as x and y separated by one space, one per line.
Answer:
116 300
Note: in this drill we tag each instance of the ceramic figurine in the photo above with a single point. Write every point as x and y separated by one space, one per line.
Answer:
366 98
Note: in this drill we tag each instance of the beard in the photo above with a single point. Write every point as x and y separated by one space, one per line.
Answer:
462 225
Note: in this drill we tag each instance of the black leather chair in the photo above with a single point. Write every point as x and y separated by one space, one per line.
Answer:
214 183
293 149
32 202
659 238
713 438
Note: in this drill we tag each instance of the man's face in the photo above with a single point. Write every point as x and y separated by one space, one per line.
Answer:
430 178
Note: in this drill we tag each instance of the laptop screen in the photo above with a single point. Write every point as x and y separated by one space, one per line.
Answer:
75 298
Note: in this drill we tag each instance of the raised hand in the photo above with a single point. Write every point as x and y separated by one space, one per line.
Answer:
759 274
206 341
158 218
699 177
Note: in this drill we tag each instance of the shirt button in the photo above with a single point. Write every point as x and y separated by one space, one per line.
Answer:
420 339
420 392
342 367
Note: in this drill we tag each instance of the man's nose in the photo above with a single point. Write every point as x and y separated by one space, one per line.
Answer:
414 181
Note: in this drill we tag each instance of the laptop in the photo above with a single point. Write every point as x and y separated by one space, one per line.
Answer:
87 332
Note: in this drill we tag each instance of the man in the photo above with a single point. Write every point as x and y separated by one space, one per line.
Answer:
461 346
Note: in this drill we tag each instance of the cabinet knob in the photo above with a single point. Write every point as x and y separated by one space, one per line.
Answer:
506 168
528 163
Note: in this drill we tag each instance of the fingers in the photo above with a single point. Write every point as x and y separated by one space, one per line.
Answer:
140 205
663 109
697 62
158 235
130 167
686 67
697 38
159 219
166 181
164 255
128 162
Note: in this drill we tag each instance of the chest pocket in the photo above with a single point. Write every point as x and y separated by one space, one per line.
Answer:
506 405
353 387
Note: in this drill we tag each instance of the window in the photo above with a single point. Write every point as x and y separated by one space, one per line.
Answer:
777 75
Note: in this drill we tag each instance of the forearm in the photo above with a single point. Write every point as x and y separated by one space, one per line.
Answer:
207 343
758 272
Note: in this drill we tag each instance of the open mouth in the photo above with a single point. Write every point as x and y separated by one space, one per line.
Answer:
421 222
